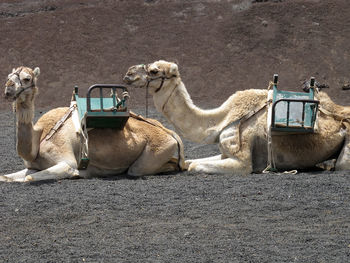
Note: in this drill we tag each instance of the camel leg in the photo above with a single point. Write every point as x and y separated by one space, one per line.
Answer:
150 162
222 166
236 162
59 171
202 160
343 162
17 176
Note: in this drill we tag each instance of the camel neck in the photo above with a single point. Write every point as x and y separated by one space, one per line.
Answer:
24 111
27 137
190 121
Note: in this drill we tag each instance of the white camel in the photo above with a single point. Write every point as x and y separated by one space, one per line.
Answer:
143 147
239 126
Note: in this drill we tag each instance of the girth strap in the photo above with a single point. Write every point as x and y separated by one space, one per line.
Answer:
60 123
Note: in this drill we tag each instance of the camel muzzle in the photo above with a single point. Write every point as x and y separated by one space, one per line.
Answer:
127 80
9 96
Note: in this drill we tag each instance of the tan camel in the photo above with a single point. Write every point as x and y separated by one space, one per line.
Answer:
239 126
143 147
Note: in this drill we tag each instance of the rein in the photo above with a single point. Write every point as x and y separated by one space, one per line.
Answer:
150 79
22 89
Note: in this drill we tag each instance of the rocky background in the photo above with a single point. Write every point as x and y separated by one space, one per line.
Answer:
221 45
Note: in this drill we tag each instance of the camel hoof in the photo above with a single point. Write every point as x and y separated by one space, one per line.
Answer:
195 167
28 178
187 165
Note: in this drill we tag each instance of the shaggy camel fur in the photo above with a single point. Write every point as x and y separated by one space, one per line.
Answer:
239 126
143 147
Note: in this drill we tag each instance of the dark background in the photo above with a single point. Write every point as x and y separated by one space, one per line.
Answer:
221 45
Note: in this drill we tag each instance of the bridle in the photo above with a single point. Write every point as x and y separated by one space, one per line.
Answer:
150 79
18 93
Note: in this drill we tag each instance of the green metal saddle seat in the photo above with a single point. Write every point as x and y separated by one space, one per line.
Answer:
293 112
102 112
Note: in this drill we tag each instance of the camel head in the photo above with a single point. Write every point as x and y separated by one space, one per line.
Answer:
21 83
154 75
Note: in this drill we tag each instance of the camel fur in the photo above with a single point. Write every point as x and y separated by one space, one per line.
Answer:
143 147
239 126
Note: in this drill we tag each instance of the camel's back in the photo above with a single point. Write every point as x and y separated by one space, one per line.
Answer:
330 106
151 129
244 102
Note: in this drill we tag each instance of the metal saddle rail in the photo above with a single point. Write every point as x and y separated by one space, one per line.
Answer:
293 112
101 87
313 104
103 112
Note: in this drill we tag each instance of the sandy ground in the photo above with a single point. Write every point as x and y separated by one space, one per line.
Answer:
174 218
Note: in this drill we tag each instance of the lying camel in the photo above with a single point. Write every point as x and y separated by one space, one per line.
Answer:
143 147
239 126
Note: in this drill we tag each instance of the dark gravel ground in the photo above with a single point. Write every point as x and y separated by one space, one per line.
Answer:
174 218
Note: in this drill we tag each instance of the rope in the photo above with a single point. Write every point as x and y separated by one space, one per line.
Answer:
147 100
271 164
15 128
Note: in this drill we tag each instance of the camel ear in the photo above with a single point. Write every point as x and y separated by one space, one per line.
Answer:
13 70
174 70
36 71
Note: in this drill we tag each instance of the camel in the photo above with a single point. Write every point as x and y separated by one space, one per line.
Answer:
143 147
239 126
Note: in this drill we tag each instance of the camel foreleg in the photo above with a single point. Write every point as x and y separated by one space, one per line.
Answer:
222 166
202 160
57 172
17 176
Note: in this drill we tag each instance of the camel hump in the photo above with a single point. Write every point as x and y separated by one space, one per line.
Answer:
49 120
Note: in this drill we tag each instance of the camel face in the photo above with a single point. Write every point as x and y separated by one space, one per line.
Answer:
153 75
136 76
20 82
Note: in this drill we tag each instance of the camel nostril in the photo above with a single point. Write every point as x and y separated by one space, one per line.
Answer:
126 79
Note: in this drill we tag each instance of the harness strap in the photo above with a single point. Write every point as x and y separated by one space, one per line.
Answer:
243 119
60 123
150 79
336 116
17 73
20 92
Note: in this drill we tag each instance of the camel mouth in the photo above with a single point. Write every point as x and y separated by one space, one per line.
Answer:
127 80
132 82
8 97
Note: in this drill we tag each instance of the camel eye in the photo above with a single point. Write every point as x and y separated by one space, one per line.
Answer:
154 71
26 79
